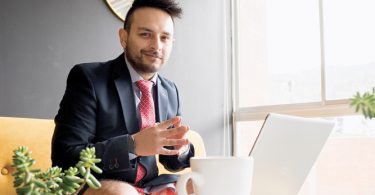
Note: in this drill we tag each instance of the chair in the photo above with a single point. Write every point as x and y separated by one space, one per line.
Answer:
36 134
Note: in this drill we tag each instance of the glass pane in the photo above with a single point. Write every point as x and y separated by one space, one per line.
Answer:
345 166
349 29
278 52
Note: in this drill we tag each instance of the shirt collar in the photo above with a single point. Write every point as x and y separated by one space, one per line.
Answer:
135 76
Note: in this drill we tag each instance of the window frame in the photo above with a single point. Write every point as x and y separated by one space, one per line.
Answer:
323 108
327 107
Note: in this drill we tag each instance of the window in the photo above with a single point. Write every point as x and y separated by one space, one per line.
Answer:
298 52
349 47
307 58
278 50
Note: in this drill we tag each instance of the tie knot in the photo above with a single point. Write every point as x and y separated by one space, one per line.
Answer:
144 85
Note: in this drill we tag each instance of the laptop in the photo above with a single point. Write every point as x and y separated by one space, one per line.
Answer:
284 152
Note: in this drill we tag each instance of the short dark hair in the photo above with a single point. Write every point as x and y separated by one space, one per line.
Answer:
169 6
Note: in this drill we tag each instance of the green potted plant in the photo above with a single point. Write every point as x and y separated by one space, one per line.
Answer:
54 181
364 103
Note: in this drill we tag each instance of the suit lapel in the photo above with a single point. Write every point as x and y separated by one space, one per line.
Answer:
125 92
162 101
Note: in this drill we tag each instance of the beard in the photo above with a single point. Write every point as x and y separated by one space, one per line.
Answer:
139 64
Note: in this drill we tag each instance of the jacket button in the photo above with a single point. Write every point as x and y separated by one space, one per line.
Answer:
4 171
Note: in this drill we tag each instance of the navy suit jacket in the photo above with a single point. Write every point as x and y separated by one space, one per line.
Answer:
98 110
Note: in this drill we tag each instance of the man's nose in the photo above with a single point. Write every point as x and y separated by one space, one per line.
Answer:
156 43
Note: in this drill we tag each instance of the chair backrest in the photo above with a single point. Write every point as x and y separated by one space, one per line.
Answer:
36 134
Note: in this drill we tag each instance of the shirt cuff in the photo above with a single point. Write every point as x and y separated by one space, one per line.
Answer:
132 156
131 146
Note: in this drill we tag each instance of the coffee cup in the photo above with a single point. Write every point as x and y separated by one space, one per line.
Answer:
218 175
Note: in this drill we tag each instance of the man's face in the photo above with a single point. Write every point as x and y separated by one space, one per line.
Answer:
149 41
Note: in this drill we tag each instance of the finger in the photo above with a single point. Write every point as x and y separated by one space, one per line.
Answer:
169 122
173 132
186 133
175 142
180 135
165 151
179 123
179 147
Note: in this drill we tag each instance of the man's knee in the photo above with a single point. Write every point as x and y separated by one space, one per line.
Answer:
113 187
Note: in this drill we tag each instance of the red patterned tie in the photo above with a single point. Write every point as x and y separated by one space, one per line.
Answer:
147 113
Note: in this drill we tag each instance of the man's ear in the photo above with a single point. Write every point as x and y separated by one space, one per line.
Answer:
123 34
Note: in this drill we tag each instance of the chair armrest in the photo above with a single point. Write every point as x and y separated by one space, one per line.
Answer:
199 148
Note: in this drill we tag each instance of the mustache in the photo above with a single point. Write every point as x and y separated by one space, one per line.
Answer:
152 53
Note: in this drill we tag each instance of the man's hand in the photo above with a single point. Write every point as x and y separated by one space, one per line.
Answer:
151 141
181 148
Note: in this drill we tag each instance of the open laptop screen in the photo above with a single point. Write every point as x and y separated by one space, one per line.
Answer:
284 152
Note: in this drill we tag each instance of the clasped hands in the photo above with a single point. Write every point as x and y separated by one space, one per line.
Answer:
151 141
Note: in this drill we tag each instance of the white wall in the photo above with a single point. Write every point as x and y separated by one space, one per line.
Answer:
198 68
41 40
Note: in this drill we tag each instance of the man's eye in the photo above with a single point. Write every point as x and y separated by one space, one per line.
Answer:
165 38
145 34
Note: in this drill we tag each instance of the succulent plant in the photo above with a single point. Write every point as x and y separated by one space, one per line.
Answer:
54 180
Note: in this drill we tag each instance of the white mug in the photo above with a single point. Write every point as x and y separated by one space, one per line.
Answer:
218 175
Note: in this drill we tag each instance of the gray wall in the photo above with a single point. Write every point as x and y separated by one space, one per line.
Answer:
41 40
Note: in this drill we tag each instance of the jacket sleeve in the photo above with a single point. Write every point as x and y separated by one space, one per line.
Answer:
176 163
76 125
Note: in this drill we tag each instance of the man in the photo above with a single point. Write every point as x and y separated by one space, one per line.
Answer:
126 110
